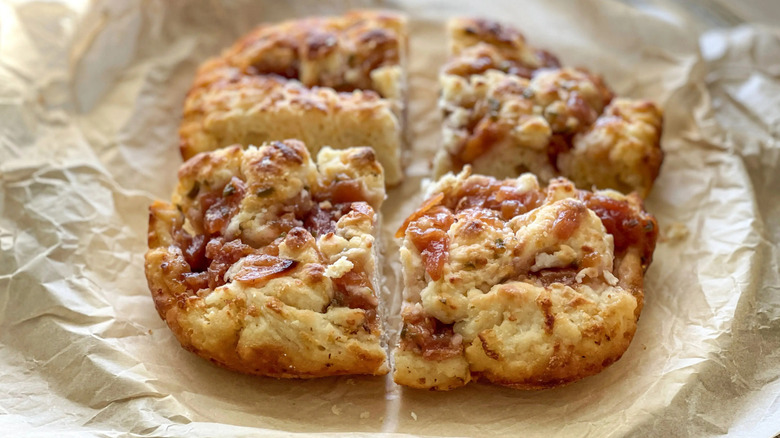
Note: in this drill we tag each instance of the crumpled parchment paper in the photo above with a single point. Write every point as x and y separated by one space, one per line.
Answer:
90 100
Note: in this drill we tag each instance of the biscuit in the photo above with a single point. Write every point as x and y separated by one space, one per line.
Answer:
329 81
520 285
265 262
509 108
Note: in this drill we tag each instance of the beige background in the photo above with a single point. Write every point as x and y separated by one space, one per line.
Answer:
90 96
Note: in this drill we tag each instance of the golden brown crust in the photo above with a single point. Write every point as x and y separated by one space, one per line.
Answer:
509 108
518 285
335 52
478 45
331 81
264 262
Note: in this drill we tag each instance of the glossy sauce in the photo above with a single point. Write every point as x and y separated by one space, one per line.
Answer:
219 207
483 192
258 269
567 222
486 133
222 256
350 290
627 227
433 339
429 235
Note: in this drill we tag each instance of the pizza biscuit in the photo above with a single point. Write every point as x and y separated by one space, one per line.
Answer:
509 109
265 262
520 285
329 81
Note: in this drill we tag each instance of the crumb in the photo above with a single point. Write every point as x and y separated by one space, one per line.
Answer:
335 409
350 381
414 416
365 414
674 232
150 331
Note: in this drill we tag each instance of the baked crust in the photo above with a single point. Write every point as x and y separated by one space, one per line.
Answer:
265 262
478 45
332 81
519 285
509 109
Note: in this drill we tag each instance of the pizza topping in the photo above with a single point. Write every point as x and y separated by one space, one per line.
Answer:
193 249
343 190
487 133
219 207
427 205
297 239
566 276
353 290
481 45
430 337
214 254
320 221
485 192
559 144
568 221
258 269
223 255
195 281
210 244
481 198
429 235
379 47
320 44
628 227
580 110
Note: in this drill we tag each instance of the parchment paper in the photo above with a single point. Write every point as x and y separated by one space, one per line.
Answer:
90 100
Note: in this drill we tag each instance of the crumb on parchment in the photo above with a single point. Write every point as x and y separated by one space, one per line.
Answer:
335 409
414 416
674 232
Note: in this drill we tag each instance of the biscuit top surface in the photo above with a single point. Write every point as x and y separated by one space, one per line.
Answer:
478 45
476 233
543 111
337 52
242 210
470 204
